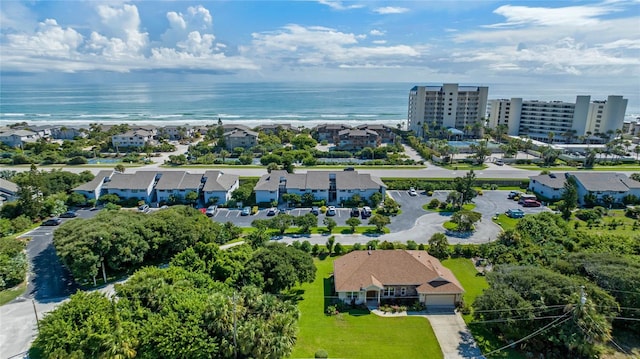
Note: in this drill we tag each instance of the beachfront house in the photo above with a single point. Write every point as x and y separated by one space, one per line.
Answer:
355 139
134 138
375 275
17 138
240 138
328 131
218 187
334 187
386 133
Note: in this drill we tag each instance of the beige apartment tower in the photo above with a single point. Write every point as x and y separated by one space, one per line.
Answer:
447 106
567 120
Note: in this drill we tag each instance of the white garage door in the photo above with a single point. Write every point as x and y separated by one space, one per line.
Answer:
441 300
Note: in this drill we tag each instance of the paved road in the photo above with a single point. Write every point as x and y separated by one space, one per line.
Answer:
492 171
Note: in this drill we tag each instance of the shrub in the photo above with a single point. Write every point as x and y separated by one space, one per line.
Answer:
321 353
433 204
254 209
429 193
332 310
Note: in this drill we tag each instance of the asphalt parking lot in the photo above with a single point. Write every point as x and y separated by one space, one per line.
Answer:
223 215
490 203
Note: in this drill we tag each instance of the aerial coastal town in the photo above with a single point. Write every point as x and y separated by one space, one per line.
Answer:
478 226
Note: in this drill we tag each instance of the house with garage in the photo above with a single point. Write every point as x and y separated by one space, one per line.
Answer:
601 186
376 275
93 188
218 186
138 185
176 185
333 187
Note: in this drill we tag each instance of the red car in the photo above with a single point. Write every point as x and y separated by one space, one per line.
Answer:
531 203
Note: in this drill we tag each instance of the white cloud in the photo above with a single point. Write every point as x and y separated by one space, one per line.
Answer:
573 15
338 5
49 40
390 10
379 42
376 32
322 46
182 25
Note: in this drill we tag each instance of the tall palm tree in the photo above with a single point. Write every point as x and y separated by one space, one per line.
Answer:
550 136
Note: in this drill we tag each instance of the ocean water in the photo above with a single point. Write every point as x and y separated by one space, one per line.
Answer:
197 104
201 103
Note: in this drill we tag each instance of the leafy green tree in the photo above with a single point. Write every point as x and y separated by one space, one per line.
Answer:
330 243
281 222
481 151
465 185
375 199
306 221
569 198
439 246
303 141
465 220
379 221
353 222
330 223
277 267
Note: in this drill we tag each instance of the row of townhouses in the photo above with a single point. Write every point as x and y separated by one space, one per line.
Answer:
333 187
159 186
597 184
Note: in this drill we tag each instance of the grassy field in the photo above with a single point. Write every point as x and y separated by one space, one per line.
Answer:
10 294
506 222
357 334
625 227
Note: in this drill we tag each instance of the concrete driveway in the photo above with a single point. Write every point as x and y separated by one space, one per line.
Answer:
456 341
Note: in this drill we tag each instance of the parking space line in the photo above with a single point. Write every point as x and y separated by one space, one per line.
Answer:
228 213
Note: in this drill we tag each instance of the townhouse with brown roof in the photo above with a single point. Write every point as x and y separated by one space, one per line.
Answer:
328 131
373 276
240 138
386 133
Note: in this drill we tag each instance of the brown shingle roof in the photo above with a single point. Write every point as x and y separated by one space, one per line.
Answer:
362 269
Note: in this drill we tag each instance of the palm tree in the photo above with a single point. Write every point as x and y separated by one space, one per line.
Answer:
224 154
550 136
637 151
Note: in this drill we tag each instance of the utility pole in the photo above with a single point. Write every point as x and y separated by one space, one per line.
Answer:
36 313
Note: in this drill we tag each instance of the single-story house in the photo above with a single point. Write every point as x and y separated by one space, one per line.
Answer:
177 184
373 275
331 186
132 185
93 188
218 185
599 184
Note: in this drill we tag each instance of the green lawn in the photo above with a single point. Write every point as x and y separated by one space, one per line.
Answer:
625 229
359 334
468 207
464 167
506 222
10 294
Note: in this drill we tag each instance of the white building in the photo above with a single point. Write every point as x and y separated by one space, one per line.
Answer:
134 138
93 188
536 119
598 184
177 184
218 186
132 185
333 187
448 106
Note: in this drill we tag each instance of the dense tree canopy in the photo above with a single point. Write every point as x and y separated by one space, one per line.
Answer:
277 267
169 313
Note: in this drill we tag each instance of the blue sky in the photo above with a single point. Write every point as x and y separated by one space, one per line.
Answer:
579 44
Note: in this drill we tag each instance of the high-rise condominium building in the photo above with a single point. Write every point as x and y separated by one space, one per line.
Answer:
447 106
567 121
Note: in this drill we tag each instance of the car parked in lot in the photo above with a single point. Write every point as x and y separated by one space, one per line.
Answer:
246 211
331 211
366 212
52 222
69 214
531 203
272 211
515 213
413 192
211 211
315 210
144 208
514 194
355 212
527 197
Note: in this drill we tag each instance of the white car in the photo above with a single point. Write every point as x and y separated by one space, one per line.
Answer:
331 211
413 192
211 211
